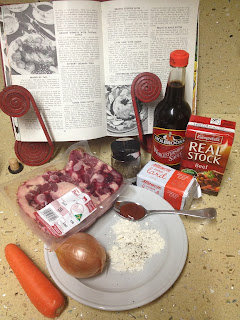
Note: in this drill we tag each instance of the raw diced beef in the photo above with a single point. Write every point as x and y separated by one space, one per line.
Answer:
89 174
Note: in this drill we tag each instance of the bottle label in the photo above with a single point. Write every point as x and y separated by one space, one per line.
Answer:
167 145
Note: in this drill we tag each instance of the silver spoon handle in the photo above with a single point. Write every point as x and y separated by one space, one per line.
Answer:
201 213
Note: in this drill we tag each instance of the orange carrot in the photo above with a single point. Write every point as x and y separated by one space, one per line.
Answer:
40 290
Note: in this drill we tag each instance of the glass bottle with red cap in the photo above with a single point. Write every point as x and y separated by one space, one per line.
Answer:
172 114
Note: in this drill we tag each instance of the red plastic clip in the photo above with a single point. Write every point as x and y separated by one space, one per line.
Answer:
146 87
15 101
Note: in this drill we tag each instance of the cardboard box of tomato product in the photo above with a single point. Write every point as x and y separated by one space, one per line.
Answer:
176 187
207 146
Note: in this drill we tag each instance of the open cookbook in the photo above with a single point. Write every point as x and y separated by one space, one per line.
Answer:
79 58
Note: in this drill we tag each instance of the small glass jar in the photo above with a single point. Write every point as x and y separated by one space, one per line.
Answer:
126 158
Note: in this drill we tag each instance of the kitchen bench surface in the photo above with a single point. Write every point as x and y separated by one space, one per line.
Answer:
209 285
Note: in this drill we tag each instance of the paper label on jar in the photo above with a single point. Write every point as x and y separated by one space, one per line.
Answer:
167 145
63 214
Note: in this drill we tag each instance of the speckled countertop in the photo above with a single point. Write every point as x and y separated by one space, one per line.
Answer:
208 287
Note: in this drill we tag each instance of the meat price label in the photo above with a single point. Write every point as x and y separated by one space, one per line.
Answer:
63 214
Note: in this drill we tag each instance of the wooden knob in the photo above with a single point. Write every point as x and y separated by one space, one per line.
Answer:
14 166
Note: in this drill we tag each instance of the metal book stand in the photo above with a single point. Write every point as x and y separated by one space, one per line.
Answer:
146 87
15 101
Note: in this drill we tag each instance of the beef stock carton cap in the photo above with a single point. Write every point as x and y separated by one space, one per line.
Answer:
213 124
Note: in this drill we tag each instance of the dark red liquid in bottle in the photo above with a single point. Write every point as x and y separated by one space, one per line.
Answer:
173 112
171 117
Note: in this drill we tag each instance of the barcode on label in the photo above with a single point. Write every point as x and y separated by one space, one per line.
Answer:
49 214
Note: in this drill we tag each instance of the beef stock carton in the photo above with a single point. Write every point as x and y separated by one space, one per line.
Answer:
207 147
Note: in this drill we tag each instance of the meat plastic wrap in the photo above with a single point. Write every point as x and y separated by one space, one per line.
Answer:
65 196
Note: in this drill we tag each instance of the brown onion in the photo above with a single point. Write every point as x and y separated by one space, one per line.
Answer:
81 256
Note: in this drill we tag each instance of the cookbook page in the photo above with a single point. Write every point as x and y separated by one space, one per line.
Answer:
138 37
55 51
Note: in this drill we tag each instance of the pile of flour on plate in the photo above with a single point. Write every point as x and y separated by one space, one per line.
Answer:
133 246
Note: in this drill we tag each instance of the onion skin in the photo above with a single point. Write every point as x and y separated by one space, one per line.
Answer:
81 256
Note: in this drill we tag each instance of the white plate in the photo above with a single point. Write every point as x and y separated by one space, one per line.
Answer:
18 7
118 291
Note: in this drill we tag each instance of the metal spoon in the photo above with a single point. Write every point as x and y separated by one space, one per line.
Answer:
130 207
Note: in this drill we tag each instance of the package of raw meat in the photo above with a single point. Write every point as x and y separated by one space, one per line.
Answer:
65 196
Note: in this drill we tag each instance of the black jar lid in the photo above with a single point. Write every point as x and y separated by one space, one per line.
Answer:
125 149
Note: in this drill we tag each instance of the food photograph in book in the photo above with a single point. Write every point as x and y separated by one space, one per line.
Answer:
120 112
30 38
